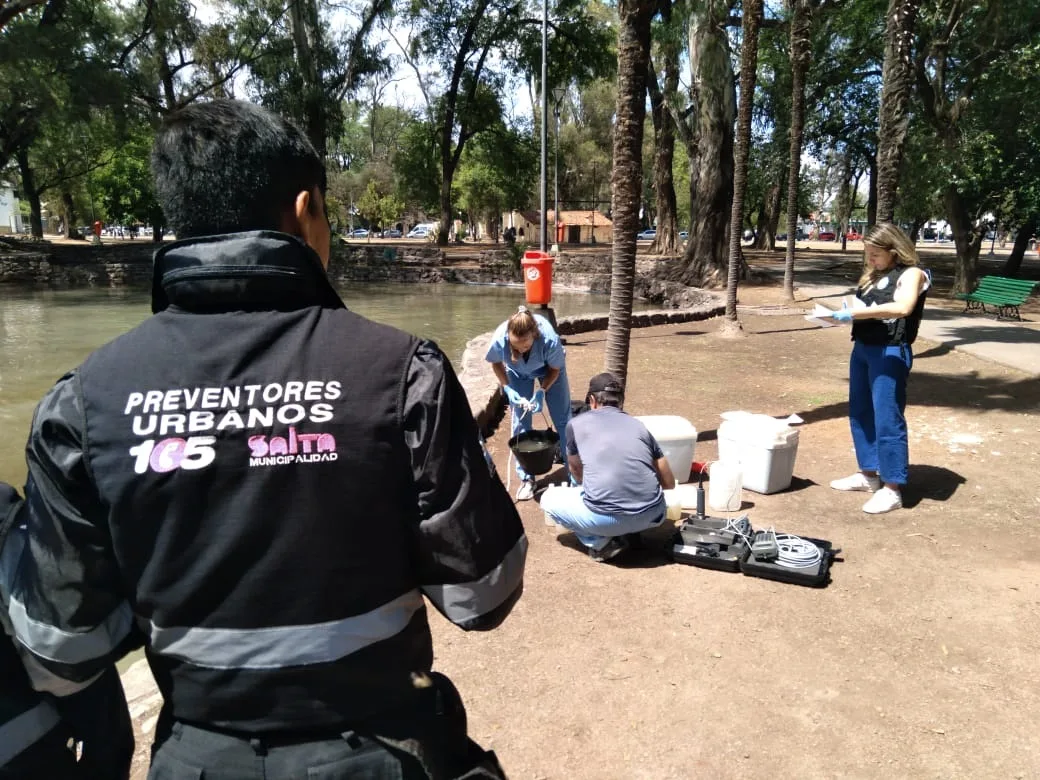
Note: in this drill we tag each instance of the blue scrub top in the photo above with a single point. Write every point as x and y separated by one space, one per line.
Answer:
547 351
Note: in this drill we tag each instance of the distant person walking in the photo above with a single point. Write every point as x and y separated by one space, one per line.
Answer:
894 290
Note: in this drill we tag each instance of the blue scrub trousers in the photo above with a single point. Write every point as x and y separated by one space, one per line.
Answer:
877 402
557 398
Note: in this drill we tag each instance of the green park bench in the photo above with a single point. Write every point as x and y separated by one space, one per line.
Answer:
1006 294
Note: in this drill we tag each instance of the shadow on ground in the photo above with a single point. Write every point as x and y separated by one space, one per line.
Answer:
930 482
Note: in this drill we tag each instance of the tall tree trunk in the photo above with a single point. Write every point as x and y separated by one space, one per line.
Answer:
666 242
967 237
31 193
705 261
872 194
896 84
68 208
306 34
1018 251
801 30
446 217
846 198
748 66
627 175
769 219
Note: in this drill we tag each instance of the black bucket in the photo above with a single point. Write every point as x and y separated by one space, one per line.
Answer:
535 451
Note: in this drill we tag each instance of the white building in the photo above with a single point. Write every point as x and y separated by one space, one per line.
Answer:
10 216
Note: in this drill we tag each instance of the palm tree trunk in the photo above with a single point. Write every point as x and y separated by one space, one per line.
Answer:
627 175
748 67
896 84
801 54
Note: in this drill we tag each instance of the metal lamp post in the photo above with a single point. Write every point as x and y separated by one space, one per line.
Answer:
543 186
558 95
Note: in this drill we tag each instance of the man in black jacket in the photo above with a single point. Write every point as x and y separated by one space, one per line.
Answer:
266 485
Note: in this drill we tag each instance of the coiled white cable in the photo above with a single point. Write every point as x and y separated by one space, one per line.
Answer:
795 552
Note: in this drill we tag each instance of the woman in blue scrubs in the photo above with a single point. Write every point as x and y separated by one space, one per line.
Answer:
525 348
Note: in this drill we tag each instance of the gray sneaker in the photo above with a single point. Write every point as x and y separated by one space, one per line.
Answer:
609 551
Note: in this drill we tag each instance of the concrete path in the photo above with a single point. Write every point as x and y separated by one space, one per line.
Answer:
1012 344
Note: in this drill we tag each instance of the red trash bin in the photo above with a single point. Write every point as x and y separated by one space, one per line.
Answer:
537 267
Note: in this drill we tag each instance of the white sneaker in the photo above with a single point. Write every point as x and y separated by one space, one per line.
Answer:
858 481
885 500
526 490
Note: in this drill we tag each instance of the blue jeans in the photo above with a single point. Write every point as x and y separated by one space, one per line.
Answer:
557 398
877 401
567 507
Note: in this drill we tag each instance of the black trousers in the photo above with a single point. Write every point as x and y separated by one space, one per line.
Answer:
191 753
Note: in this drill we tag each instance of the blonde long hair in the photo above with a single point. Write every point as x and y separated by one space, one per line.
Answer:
887 236
522 323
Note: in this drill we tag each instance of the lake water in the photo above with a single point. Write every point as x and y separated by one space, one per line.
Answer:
44 334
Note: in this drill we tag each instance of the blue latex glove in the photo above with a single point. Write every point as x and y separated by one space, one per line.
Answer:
537 400
514 397
843 315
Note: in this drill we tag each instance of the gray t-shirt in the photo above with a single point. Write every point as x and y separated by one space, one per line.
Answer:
617 457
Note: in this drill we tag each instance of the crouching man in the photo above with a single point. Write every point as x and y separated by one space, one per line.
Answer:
622 472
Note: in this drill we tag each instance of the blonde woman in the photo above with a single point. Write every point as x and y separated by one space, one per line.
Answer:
524 348
894 289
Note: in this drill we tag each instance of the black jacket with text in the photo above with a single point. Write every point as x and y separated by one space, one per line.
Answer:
265 485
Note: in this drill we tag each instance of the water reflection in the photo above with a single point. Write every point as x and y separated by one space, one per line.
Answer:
44 334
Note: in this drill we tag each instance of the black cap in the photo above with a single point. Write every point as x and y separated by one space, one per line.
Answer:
605 383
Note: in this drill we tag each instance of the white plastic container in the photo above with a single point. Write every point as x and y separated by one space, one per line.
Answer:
674 503
549 521
724 487
677 438
764 447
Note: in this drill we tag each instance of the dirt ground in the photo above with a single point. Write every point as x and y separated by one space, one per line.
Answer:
918 660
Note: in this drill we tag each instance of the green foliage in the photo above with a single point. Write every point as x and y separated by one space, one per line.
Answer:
123 188
417 165
497 173
378 209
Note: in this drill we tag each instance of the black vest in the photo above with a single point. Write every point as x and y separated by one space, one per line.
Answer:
899 330
247 446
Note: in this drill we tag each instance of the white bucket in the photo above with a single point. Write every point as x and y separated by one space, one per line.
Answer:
678 439
724 486
674 503
764 446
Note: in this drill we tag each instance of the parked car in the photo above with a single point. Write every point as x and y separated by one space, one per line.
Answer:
853 235
419 231
646 235
359 233
684 234
392 233
749 235
828 235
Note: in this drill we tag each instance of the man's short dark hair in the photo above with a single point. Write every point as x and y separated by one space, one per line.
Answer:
228 166
607 389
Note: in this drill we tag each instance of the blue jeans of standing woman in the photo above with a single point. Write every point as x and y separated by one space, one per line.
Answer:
557 398
877 402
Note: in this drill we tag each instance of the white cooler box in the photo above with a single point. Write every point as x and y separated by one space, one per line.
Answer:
764 447
677 438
